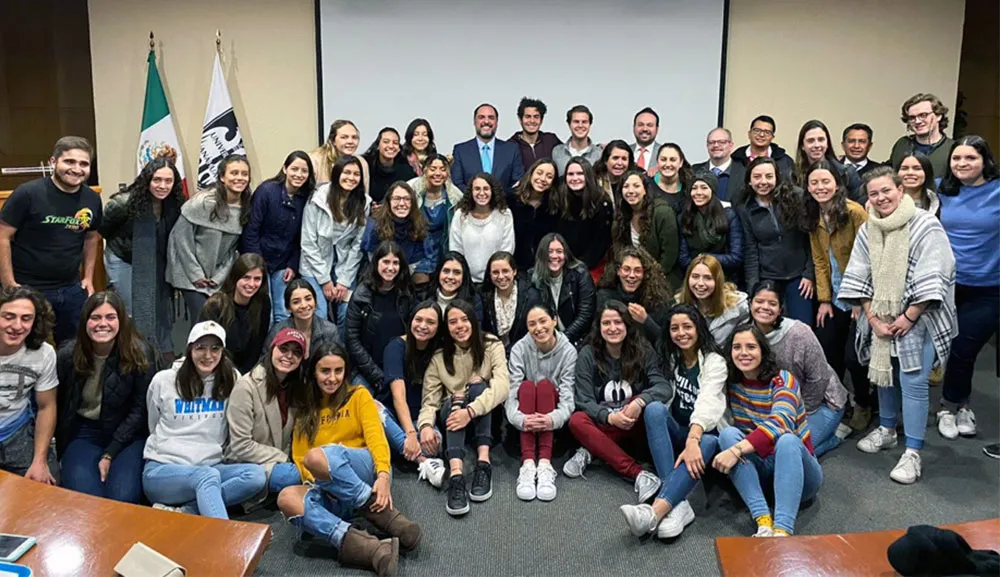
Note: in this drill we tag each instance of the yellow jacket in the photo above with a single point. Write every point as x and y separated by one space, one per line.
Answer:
356 425
842 242
438 383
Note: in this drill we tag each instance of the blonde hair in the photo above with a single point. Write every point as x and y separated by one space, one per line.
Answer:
720 300
327 153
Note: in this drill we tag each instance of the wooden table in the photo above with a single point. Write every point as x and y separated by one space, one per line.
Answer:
839 555
79 535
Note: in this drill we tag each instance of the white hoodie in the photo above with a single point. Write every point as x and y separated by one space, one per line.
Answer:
184 432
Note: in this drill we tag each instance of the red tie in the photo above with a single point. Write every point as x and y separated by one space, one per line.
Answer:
640 162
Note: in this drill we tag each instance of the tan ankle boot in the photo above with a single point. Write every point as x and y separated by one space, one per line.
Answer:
360 549
394 523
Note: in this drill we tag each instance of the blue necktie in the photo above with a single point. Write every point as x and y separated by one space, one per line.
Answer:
716 170
484 158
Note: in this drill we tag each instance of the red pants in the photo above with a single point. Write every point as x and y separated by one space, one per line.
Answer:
537 398
606 442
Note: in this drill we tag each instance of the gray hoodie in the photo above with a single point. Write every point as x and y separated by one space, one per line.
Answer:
529 363
326 241
723 325
200 247
798 351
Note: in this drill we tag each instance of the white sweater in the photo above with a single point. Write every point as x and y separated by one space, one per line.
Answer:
478 239
184 432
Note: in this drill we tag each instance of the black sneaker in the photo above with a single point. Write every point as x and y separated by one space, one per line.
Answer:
482 482
992 450
458 497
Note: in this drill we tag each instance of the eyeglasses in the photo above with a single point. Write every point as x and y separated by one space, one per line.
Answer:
201 348
922 117
719 142
762 131
400 199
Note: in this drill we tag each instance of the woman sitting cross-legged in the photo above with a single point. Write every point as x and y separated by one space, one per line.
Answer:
301 302
617 376
259 414
685 427
101 425
466 380
637 280
542 376
797 350
769 437
187 432
340 449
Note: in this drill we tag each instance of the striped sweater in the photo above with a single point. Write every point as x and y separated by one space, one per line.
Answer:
765 411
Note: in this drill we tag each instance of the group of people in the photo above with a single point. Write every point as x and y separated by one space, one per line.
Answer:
400 303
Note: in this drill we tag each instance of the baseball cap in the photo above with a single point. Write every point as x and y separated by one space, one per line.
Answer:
285 336
206 328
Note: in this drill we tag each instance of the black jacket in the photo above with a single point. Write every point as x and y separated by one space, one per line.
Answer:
730 181
526 298
772 250
656 320
382 177
123 400
530 225
359 330
116 226
576 302
786 164
589 239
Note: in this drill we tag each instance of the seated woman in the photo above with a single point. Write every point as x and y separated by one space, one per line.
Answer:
300 301
617 376
379 311
565 286
482 225
770 435
797 350
541 399
103 378
466 380
709 227
243 310
405 362
260 420
692 361
385 164
723 308
506 300
648 222
529 204
339 448
437 198
637 281
186 407
902 273
401 221
452 281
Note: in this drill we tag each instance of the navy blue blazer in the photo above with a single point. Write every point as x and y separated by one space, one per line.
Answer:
508 168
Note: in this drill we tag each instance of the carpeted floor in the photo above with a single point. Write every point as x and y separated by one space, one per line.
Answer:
583 533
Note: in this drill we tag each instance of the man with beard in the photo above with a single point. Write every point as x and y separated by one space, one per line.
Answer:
579 118
534 143
645 126
47 227
719 144
486 153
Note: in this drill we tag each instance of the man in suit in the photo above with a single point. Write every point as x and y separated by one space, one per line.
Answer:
579 118
486 153
645 126
856 143
532 140
721 163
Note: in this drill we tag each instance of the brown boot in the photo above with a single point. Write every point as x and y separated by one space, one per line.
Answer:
360 549
394 523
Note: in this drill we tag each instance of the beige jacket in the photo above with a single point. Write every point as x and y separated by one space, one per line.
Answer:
438 383
255 431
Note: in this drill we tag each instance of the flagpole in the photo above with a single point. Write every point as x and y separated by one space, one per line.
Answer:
152 44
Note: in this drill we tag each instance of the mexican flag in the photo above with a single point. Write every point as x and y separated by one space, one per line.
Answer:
158 138
220 134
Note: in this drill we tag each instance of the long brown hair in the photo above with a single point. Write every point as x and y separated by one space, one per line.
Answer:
653 292
725 293
635 348
621 228
385 222
812 213
346 204
128 342
309 401
525 189
221 306
572 205
477 338
497 201
221 209
190 385
293 381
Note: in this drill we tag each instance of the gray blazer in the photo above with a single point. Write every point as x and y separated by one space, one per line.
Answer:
255 431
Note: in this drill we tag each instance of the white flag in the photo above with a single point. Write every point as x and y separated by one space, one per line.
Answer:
220 134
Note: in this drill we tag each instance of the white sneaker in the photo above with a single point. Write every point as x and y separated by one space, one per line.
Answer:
946 424
646 486
577 463
546 490
966 422
526 481
640 518
433 471
763 531
843 431
880 438
673 524
163 507
907 470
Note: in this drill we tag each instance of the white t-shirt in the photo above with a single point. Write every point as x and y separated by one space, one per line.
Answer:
21 374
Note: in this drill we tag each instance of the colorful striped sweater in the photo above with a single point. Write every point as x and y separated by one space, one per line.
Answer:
765 411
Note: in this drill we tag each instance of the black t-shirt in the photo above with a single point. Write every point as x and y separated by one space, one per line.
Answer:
48 246
685 392
389 324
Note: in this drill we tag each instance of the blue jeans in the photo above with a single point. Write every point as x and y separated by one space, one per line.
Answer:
394 433
277 286
823 427
328 503
914 387
67 302
84 452
283 475
666 437
322 306
978 319
120 275
797 307
205 490
796 475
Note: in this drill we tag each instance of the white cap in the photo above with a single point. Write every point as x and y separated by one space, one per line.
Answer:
206 328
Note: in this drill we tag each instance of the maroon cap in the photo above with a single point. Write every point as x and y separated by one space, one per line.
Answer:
289 336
